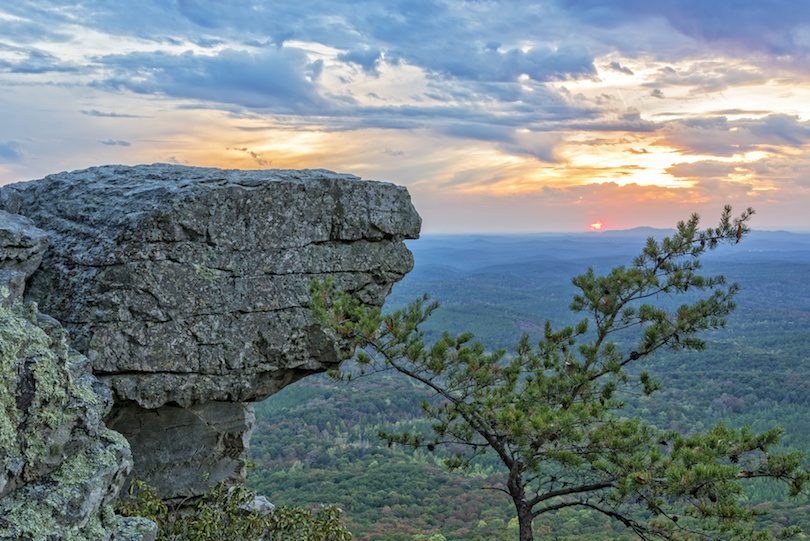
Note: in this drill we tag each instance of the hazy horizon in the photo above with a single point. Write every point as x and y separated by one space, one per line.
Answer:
775 229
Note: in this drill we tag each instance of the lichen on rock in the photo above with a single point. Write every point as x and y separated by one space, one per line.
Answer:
60 468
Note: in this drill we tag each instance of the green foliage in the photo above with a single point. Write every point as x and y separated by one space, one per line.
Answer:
392 494
223 513
552 413
316 440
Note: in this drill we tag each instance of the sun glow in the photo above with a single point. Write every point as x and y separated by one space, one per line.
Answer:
596 226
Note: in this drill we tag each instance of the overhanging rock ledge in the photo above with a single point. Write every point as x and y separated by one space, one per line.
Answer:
187 288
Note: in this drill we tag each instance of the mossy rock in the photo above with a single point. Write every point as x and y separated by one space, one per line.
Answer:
60 468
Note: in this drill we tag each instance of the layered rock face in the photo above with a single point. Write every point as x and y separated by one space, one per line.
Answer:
61 468
187 289
22 245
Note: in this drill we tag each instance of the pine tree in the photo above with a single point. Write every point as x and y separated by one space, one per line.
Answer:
552 412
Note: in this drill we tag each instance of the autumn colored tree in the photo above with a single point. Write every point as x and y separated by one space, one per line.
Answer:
552 412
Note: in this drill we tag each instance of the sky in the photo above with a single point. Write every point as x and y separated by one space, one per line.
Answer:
499 116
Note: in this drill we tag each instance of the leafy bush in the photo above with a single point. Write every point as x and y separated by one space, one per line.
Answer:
225 513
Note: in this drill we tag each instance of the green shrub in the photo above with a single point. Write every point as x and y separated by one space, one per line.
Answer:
222 514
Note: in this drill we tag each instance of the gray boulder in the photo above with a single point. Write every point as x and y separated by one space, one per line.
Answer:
188 289
61 469
22 245
180 450
12 287
185 285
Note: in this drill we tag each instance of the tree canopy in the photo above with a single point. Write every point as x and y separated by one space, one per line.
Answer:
552 412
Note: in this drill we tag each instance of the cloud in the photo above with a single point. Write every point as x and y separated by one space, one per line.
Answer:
564 207
781 174
96 112
441 37
28 27
540 64
740 112
615 66
546 153
506 91
779 129
717 136
257 156
773 27
367 59
112 142
10 151
467 67
539 111
314 69
26 60
481 132
268 79
777 28
708 76
789 173
630 121
702 169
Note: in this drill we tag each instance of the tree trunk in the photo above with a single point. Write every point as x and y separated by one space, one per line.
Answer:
518 493
525 524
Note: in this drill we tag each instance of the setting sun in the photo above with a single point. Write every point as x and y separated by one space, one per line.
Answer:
596 226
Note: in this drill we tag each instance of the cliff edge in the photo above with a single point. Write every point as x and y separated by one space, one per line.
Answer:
187 290
61 468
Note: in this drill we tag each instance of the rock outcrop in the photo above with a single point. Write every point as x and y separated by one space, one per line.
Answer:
187 289
61 468
22 245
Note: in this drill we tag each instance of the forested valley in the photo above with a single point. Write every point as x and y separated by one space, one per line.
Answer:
315 443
